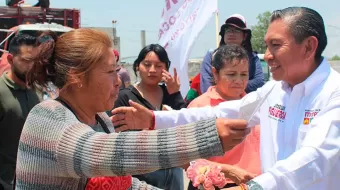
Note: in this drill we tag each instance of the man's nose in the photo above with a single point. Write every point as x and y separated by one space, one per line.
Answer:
268 55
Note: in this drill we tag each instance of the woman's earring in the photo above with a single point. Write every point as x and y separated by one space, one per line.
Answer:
80 85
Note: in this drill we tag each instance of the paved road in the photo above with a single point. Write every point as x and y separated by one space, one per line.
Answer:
336 67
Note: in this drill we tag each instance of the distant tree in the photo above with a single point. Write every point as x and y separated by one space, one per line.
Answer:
335 58
259 31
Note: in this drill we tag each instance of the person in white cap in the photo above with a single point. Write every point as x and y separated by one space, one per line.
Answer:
234 31
299 112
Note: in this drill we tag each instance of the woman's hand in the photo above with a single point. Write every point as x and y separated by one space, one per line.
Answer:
172 82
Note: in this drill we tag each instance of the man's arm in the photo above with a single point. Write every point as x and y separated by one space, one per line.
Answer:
229 109
315 160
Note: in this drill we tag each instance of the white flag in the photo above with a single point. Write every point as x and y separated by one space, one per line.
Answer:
181 23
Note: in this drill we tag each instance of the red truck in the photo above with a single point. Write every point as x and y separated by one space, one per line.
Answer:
32 20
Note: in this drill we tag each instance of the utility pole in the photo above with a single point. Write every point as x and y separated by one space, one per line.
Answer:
142 35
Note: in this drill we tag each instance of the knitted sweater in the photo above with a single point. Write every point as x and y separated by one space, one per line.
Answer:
56 151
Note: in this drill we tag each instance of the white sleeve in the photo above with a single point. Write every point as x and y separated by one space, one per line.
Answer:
317 158
228 109
166 119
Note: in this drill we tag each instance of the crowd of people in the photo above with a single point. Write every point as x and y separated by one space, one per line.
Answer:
72 119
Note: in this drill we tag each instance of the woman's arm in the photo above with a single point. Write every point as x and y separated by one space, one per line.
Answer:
80 151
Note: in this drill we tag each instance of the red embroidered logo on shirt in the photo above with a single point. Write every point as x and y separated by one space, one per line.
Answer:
277 112
309 116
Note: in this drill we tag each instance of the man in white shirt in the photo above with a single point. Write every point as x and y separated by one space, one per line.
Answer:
300 114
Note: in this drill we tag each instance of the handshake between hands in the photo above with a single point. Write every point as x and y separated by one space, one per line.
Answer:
231 131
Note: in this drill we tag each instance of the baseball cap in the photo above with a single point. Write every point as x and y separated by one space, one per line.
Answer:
237 21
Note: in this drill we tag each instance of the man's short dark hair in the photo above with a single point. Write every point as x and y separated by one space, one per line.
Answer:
19 40
303 23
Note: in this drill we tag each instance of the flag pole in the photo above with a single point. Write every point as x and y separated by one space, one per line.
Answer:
217 29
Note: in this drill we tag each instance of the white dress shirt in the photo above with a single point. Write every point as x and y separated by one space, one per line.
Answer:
300 130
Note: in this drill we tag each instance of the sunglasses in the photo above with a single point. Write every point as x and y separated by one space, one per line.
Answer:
233 30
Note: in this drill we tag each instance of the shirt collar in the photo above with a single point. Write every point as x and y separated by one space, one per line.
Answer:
213 94
10 83
316 78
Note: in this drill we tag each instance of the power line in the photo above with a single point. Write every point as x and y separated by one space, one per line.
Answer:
338 28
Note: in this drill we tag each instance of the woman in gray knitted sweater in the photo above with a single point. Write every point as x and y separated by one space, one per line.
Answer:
66 141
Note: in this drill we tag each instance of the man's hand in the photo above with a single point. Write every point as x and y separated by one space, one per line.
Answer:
236 174
132 118
231 132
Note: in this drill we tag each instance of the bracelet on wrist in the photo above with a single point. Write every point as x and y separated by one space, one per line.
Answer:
153 121
243 186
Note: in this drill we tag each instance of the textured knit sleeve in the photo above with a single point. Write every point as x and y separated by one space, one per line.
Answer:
141 185
79 151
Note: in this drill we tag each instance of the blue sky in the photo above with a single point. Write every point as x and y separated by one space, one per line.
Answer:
136 15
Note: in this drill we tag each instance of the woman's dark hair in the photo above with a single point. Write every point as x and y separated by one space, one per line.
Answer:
226 54
61 60
246 44
159 51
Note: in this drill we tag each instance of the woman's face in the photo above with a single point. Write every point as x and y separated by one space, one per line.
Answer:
233 35
102 85
232 79
150 69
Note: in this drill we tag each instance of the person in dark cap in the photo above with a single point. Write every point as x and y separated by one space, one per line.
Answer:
234 31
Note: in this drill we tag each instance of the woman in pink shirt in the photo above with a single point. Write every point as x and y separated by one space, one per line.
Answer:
230 71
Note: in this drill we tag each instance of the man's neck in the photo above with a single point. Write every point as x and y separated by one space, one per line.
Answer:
305 74
83 113
16 80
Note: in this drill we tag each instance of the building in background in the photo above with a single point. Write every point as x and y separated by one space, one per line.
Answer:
112 32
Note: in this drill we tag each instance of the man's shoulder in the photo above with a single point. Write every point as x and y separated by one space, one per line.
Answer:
270 84
334 76
5 91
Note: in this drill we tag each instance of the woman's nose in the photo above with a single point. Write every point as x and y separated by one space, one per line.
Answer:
152 68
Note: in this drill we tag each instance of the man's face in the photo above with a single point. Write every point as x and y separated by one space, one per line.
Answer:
22 62
284 56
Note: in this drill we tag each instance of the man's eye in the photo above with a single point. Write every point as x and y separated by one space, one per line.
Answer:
275 44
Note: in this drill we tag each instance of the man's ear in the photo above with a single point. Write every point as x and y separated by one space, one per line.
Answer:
10 58
310 45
